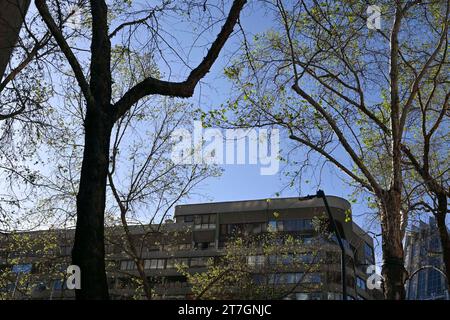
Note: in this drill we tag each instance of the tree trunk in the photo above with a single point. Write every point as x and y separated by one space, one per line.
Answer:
89 251
12 15
393 270
443 234
145 282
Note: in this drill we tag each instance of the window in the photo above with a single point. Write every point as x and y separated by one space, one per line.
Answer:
246 228
198 262
421 285
40 287
293 225
308 225
272 227
293 278
66 250
308 296
275 279
290 225
307 239
313 278
205 221
22 268
173 262
434 283
127 265
360 283
184 246
204 245
301 296
58 284
155 264
258 227
306 257
188 218
368 254
256 260
334 296
435 244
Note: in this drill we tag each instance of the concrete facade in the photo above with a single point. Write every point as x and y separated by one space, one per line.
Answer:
200 232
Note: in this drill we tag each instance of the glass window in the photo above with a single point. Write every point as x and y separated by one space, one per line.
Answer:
334 296
434 283
259 279
272 226
258 260
368 253
170 264
313 278
154 264
58 284
308 224
306 257
290 225
127 265
290 278
301 296
205 221
181 261
421 285
293 278
280 225
307 239
287 259
360 283
198 262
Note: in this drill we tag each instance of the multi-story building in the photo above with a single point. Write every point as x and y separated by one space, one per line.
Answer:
200 232
423 258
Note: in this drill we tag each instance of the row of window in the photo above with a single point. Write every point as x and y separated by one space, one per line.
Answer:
159 264
260 260
243 228
288 278
208 221
320 296
291 225
203 221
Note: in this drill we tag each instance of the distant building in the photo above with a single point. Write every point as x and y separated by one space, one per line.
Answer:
200 231
423 252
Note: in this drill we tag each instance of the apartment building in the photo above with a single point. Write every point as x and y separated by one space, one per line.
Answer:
423 259
199 233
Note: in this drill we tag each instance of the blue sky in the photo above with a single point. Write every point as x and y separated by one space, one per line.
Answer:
240 182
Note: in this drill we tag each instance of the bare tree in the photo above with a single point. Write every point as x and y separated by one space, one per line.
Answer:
102 112
347 93
144 181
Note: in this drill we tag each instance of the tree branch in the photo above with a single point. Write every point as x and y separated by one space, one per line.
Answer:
186 88
65 48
